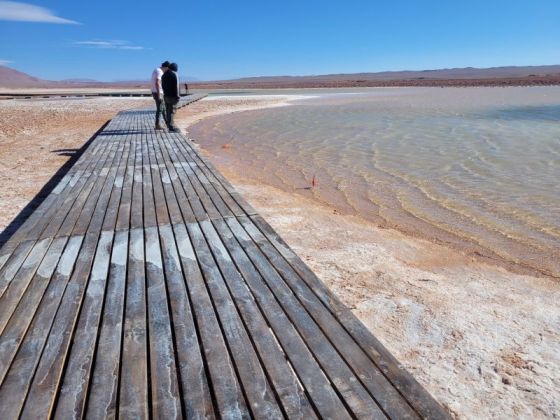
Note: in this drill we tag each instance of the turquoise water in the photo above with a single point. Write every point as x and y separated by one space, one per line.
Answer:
475 168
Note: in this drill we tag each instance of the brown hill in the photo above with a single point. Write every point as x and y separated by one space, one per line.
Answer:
10 78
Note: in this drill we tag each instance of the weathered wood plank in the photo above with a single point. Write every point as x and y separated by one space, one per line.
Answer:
92 214
65 217
184 171
44 386
166 402
134 397
193 187
17 370
120 193
14 262
125 198
11 294
225 386
186 206
257 388
162 214
201 178
195 392
136 205
22 317
222 187
75 382
241 202
337 369
166 179
309 372
150 219
374 381
102 401
284 381
409 388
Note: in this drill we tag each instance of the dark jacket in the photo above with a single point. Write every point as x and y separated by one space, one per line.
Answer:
170 84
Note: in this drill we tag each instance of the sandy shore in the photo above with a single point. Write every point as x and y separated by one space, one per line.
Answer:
485 342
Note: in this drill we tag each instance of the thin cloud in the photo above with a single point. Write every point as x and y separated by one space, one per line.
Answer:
114 45
25 12
5 62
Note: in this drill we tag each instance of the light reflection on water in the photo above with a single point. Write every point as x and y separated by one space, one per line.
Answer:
477 168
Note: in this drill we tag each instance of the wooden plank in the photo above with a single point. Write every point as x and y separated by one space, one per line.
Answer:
103 394
230 402
126 199
201 178
17 370
286 385
320 390
79 216
150 219
54 218
65 218
6 252
133 401
64 191
414 393
192 186
183 171
14 262
195 392
121 190
22 317
241 202
369 374
337 369
93 212
162 214
75 382
211 175
44 386
186 206
257 388
104 208
166 402
136 205
12 293
166 179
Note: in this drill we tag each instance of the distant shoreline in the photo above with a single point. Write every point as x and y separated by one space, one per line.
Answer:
358 83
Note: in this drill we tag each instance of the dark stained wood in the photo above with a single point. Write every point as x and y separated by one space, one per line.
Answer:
225 385
133 402
262 401
195 392
337 370
102 401
16 371
166 402
144 286
284 380
40 399
75 383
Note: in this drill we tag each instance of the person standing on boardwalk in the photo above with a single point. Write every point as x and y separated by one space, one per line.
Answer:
171 95
157 91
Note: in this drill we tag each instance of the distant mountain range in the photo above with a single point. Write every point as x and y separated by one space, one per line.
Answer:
11 78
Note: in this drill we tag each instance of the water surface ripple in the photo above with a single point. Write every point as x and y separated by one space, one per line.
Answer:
475 168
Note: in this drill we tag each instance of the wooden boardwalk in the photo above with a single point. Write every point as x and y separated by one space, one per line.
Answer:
145 286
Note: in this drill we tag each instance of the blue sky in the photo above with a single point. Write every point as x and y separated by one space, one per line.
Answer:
124 39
